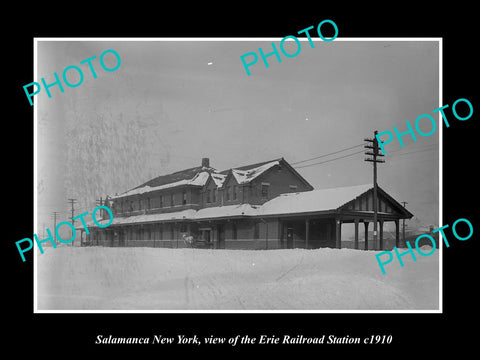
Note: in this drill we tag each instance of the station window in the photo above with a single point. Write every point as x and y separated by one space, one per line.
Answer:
264 192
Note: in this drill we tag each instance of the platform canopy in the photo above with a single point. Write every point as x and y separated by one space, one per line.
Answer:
347 203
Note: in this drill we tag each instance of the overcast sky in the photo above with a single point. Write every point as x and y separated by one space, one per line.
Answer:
166 107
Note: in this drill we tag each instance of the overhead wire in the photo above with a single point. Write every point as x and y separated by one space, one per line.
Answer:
332 153
323 162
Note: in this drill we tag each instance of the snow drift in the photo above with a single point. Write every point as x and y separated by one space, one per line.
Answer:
97 278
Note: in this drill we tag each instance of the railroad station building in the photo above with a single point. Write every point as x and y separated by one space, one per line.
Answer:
266 205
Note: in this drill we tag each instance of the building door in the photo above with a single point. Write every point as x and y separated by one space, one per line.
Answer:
221 236
205 237
289 238
121 237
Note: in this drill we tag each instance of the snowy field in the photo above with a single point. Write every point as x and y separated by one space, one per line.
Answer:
97 278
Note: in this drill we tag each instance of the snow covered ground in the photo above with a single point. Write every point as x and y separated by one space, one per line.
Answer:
97 278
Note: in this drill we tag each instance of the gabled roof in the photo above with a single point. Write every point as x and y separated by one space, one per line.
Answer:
198 176
333 199
312 201
256 165
245 176
218 178
186 174
199 179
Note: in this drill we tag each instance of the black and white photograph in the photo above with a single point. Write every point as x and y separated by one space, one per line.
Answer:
237 192
236 178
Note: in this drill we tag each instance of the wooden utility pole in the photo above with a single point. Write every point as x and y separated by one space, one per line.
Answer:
374 153
73 202
54 217
99 202
403 230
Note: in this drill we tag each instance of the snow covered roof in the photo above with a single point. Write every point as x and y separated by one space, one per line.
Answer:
186 174
199 179
143 218
226 211
218 178
312 201
189 214
245 176
198 176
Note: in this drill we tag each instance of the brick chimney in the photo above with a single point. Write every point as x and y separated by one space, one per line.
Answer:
205 162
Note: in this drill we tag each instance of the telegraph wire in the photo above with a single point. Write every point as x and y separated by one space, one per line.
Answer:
412 152
414 149
323 162
348 155
332 153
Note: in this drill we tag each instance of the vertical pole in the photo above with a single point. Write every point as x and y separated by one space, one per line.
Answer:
72 202
365 223
375 153
356 234
397 231
338 233
403 230
54 225
375 198
280 232
175 233
266 235
381 235
307 228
